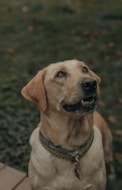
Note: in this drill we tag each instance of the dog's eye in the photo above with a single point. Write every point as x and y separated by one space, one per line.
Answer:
61 74
85 69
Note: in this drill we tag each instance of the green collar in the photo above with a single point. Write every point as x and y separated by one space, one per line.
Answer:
73 155
63 153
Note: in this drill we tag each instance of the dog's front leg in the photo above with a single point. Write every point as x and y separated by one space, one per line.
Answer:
109 156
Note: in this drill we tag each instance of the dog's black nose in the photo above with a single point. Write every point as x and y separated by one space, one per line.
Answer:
89 84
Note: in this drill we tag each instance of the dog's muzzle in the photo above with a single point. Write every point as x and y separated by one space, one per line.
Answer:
88 102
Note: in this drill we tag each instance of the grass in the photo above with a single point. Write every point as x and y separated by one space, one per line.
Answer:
36 33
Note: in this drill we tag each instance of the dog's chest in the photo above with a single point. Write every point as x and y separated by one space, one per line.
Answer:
90 163
59 171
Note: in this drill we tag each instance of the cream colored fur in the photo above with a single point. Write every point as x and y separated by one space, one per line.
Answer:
50 89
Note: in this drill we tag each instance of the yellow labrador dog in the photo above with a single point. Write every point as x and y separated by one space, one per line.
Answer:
72 142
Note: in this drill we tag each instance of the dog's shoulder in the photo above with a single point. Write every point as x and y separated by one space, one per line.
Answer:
97 132
97 142
34 136
36 143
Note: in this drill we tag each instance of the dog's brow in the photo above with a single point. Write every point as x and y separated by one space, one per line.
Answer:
85 65
80 65
62 69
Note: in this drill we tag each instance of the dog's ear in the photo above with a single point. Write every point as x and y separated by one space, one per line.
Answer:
34 91
95 76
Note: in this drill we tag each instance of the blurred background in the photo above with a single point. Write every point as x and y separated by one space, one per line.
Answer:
34 33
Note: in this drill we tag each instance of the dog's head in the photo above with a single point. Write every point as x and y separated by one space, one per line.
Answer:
69 87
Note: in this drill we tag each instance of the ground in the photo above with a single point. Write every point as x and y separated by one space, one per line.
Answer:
36 33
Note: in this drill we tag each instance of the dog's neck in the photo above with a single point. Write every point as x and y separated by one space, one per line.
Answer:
67 132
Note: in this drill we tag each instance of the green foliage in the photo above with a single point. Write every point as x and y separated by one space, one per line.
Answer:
36 33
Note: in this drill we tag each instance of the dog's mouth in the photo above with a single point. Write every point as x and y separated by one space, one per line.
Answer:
86 104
